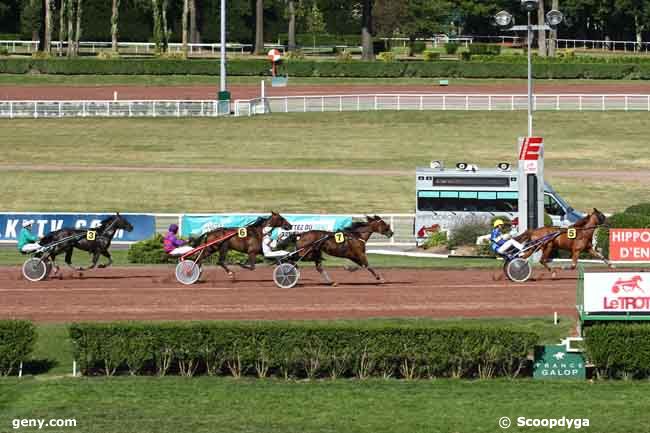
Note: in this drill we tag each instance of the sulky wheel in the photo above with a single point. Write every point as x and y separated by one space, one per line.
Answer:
188 272
286 275
36 269
518 270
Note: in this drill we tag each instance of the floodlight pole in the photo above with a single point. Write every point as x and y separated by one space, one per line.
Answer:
222 71
530 78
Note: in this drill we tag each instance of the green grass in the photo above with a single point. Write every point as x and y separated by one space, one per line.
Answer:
395 141
207 80
171 405
134 191
375 140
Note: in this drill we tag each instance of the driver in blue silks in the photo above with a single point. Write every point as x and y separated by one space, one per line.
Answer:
501 242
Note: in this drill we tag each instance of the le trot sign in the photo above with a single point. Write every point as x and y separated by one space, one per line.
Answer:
617 292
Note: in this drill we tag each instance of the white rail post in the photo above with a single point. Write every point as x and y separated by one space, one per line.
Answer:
603 102
512 103
557 102
178 108
422 102
648 102
466 102
626 102
375 102
83 108
35 110
322 104
359 103
340 103
444 102
304 104
286 104
11 108
130 105
392 224
580 103
59 104
154 108
202 109
489 102
108 109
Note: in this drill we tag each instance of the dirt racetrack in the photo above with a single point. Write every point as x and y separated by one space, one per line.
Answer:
242 91
152 293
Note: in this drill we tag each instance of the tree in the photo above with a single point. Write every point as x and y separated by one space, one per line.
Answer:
114 24
47 40
195 35
639 11
414 18
541 37
315 22
62 27
291 10
366 30
552 43
259 27
77 35
186 7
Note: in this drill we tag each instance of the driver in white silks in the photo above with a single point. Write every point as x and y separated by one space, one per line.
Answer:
269 244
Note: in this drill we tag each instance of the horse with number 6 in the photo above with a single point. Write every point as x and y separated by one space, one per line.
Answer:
349 243
576 239
247 240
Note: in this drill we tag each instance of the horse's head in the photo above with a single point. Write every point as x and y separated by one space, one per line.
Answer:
277 220
122 223
598 217
378 225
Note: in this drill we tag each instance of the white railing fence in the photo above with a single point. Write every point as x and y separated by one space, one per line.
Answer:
119 108
398 102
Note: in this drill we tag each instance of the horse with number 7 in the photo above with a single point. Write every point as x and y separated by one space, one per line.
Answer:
349 243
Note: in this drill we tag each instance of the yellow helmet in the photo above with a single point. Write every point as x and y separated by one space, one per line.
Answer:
498 223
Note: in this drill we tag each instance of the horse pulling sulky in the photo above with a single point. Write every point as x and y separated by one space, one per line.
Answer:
95 240
247 240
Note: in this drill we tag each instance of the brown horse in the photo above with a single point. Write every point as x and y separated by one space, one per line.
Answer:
247 240
349 243
576 239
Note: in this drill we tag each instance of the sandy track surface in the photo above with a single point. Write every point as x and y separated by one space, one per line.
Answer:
152 293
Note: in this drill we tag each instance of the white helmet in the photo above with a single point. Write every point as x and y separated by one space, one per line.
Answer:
27 223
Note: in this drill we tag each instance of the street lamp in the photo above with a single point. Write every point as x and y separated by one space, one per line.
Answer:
505 20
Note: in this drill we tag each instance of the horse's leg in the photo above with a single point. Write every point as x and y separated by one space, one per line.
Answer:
321 270
252 258
223 250
93 265
106 254
68 257
596 254
546 253
575 253
363 262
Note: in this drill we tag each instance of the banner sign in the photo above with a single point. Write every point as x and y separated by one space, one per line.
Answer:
616 292
554 362
144 226
629 244
195 225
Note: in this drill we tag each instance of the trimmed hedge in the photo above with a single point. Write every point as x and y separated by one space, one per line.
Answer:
619 350
17 339
306 350
304 68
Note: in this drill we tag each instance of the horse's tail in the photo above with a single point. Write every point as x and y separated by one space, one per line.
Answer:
196 241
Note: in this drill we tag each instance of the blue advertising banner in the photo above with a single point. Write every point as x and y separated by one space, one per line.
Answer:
144 226
197 224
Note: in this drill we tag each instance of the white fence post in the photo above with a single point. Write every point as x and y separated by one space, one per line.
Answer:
399 106
154 108
35 110
375 102
626 103
340 103
83 109
358 103
322 104
512 103
557 102
580 103
466 102
489 102
422 102
648 102
286 104
444 102
603 102
130 105
59 104
11 108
